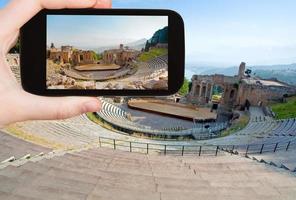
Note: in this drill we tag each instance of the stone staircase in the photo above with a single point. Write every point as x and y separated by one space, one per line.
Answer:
282 159
14 147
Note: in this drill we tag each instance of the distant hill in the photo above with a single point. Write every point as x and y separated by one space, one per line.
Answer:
229 71
160 36
137 45
284 73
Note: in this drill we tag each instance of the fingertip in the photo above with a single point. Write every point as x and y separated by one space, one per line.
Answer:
59 4
56 108
91 106
103 4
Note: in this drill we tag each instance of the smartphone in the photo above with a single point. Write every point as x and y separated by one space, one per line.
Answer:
103 52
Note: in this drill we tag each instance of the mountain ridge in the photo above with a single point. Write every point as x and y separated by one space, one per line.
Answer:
283 72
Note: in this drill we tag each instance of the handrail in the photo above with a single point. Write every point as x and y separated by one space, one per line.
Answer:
110 119
242 149
238 148
187 132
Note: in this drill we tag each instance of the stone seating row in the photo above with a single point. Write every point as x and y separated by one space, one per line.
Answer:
164 58
11 146
281 159
70 134
117 117
271 128
159 62
108 174
80 130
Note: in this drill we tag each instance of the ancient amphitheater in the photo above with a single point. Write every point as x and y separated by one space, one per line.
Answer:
130 74
80 159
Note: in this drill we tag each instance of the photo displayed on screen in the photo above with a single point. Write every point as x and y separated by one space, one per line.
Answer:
107 52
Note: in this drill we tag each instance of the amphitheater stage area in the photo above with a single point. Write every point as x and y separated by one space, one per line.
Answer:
98 75
97 67
173 109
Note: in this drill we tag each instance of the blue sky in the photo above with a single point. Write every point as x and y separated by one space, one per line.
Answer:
226 32
101 31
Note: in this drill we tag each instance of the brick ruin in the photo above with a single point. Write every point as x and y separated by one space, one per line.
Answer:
67 54
238 90
120 56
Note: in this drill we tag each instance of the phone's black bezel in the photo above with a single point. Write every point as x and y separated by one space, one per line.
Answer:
33 53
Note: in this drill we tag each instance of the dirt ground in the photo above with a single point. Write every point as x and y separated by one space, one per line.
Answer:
174 109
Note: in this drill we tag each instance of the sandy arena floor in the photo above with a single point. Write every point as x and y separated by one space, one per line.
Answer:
173 109
96 67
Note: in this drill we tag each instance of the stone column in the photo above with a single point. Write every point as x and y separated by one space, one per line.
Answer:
211 92
193 89
200 89
207 90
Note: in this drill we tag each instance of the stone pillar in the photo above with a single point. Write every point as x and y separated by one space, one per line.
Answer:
192 91
241 71
211 92
207 90
200 89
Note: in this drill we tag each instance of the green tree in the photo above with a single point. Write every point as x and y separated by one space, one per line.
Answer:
96 56
99 56
147 46
185 87
248 72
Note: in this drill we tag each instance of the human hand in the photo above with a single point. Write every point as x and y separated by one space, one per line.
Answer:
16 104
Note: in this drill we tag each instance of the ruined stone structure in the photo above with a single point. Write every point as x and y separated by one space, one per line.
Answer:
261 92
202 88
13 61
68 55
82 57
120 56
238 90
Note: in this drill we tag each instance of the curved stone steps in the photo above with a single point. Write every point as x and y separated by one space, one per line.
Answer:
117 117
107 174
12 146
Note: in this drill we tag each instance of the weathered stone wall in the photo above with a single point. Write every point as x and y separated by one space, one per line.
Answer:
82 57
237 89
119 56
261 95
202 88
66 55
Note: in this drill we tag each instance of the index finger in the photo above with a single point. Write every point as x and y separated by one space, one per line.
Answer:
18 12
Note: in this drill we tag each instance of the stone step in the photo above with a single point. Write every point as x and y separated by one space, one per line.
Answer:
8 196
102 192
48 193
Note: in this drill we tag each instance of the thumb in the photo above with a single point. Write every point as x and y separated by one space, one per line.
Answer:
54 108
18 105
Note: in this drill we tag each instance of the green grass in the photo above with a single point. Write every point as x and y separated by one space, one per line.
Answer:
95 119
185 87
285 110
18 132
236 126
153 53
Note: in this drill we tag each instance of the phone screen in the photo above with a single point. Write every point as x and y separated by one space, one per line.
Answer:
107 52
